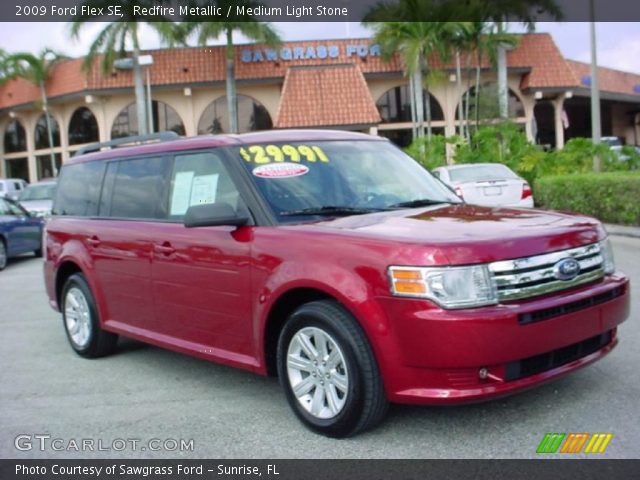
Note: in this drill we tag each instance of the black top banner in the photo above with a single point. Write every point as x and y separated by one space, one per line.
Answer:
319 10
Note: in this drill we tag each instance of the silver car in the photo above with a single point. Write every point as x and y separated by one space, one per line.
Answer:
489 184
37 198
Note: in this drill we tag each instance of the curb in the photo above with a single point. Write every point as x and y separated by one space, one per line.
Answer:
623 230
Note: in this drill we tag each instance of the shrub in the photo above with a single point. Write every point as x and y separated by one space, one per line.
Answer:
506 143
430 153
611 197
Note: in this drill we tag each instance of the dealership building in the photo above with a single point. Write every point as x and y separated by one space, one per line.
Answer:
341 84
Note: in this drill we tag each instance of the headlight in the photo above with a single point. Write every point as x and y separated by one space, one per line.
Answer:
608 265
449 287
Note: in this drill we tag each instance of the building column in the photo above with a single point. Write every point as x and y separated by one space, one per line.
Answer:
104 133
558 106
529 104
63 123
373 130
190 122
3 161
29 127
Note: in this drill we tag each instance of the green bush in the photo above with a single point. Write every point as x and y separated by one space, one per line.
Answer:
503 143
506 143
430 153
611 197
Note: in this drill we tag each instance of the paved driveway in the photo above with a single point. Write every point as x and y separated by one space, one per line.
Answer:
144 393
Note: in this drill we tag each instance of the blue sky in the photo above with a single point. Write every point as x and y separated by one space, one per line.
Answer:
618 43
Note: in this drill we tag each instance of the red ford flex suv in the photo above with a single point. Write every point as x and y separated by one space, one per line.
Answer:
330 259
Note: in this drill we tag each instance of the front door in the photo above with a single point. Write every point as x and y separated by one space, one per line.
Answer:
201 276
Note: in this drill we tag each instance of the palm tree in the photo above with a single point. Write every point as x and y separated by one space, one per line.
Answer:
37 70
112 40
415 42
244 24
499 12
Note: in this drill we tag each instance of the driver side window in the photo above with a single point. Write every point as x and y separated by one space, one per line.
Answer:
200 178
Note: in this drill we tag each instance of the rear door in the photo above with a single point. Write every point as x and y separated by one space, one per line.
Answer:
201 276
133 202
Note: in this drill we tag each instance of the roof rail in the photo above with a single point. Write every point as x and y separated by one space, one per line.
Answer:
96 147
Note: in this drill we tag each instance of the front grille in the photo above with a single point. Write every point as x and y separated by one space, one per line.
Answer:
547 313
556 358
531 276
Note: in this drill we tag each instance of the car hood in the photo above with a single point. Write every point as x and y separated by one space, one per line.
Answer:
473 234
37 205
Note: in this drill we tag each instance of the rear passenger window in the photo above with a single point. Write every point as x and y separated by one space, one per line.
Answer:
197 179
78 189
140 189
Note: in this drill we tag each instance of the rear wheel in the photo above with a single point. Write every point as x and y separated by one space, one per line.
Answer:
81 320
328 371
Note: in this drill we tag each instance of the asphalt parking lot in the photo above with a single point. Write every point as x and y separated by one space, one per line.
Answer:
143 393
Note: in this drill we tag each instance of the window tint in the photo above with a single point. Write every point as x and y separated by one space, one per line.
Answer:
200 178
79 189
478 173
139 190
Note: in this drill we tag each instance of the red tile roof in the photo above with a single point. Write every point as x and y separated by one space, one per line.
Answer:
188 66
609 80
548 67
326 96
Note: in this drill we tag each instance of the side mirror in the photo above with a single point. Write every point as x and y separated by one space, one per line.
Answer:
213 215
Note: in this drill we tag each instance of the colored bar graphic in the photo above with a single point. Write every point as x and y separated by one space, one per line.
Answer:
573 442
550 443
598 443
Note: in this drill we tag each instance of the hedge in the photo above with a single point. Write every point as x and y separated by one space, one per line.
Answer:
612 197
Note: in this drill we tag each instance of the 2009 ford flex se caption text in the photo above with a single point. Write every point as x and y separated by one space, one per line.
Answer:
332 260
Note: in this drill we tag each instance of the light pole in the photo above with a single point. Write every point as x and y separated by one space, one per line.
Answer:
596 131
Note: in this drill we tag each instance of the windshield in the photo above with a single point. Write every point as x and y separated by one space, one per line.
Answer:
38 192
304 179
479 173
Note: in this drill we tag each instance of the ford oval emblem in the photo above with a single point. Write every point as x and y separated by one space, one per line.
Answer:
566 269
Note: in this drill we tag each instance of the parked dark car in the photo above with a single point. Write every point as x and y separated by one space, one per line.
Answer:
19 231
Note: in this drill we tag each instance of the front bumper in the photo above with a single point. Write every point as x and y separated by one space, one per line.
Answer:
517 345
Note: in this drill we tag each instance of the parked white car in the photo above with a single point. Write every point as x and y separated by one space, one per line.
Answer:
11 187
37 198
489 184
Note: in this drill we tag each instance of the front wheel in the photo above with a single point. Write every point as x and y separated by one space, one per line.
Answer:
328 371
81 321
4 256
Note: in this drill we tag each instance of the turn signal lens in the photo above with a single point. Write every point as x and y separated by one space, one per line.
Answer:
449 287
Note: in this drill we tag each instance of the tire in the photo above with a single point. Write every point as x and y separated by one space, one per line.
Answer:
340 394
4 255
81 322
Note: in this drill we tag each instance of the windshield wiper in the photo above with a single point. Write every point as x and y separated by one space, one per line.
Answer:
330 211
420 202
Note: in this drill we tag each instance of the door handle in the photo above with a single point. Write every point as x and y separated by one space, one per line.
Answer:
93 241
164 249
